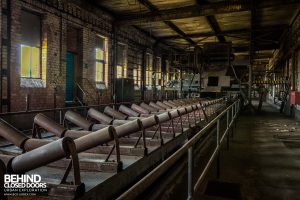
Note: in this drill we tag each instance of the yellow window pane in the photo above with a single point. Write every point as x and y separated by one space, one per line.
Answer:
119 71
35 62
125 72
99 54
99 72
25 61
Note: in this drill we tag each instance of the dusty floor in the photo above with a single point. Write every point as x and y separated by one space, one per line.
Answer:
263 166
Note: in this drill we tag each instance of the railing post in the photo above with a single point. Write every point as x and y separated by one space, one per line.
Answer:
190 174
218 146
227 128
60 117
232 118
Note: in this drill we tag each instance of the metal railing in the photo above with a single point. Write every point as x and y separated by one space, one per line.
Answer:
85 93
151 177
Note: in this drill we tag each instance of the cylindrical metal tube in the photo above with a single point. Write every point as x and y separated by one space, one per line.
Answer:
195 107
115 114
34 143
128 128
182 111
76 134
189 109
118 122
40 156
149 108
164 117
94 139
11 134
149 121
128 111
169 104
174 114
78 120
156 106
178 103
139 109
102 118
163 105
97 127
49 125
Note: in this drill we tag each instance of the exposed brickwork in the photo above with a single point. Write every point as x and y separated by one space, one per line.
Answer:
55 21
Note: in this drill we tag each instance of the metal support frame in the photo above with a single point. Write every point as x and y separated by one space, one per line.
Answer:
152 176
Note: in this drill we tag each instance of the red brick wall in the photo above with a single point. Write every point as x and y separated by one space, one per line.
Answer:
54 28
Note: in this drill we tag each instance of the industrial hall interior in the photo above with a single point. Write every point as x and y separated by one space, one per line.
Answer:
150 99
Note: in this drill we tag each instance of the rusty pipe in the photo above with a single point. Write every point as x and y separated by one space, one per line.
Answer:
102 118
163 105
40 156
118 122
189 109
182 111
169 104
94 139
156 106
115 114
49 125
78 120
34 143
174 114
128 111
139 109
76 134
164 117
150 121
149 108
128 128
11 134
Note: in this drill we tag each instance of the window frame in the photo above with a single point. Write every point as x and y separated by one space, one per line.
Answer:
124 66
40 47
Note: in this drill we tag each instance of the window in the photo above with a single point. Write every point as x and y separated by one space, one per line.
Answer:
30 45
213 81
149 69
137 71
100 58
121 61
158 71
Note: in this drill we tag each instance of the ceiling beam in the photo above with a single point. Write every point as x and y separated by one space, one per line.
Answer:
180 32
206 9
173 26
224 33
258 47
212 21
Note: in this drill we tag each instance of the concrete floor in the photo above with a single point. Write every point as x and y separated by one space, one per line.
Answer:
264 167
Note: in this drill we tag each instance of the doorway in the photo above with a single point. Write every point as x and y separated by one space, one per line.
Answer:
74 65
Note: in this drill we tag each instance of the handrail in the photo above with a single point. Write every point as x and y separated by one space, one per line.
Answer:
95 88
85 93
152 176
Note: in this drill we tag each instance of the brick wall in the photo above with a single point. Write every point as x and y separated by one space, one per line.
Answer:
56 17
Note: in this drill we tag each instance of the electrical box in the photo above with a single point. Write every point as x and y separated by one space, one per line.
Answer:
295 98
124 90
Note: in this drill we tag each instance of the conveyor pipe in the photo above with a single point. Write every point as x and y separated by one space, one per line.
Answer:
115 114
128 111
102 118
78 120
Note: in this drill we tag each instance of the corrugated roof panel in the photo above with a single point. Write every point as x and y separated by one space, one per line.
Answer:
124 7
232 21
158 29
193 25
169 4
